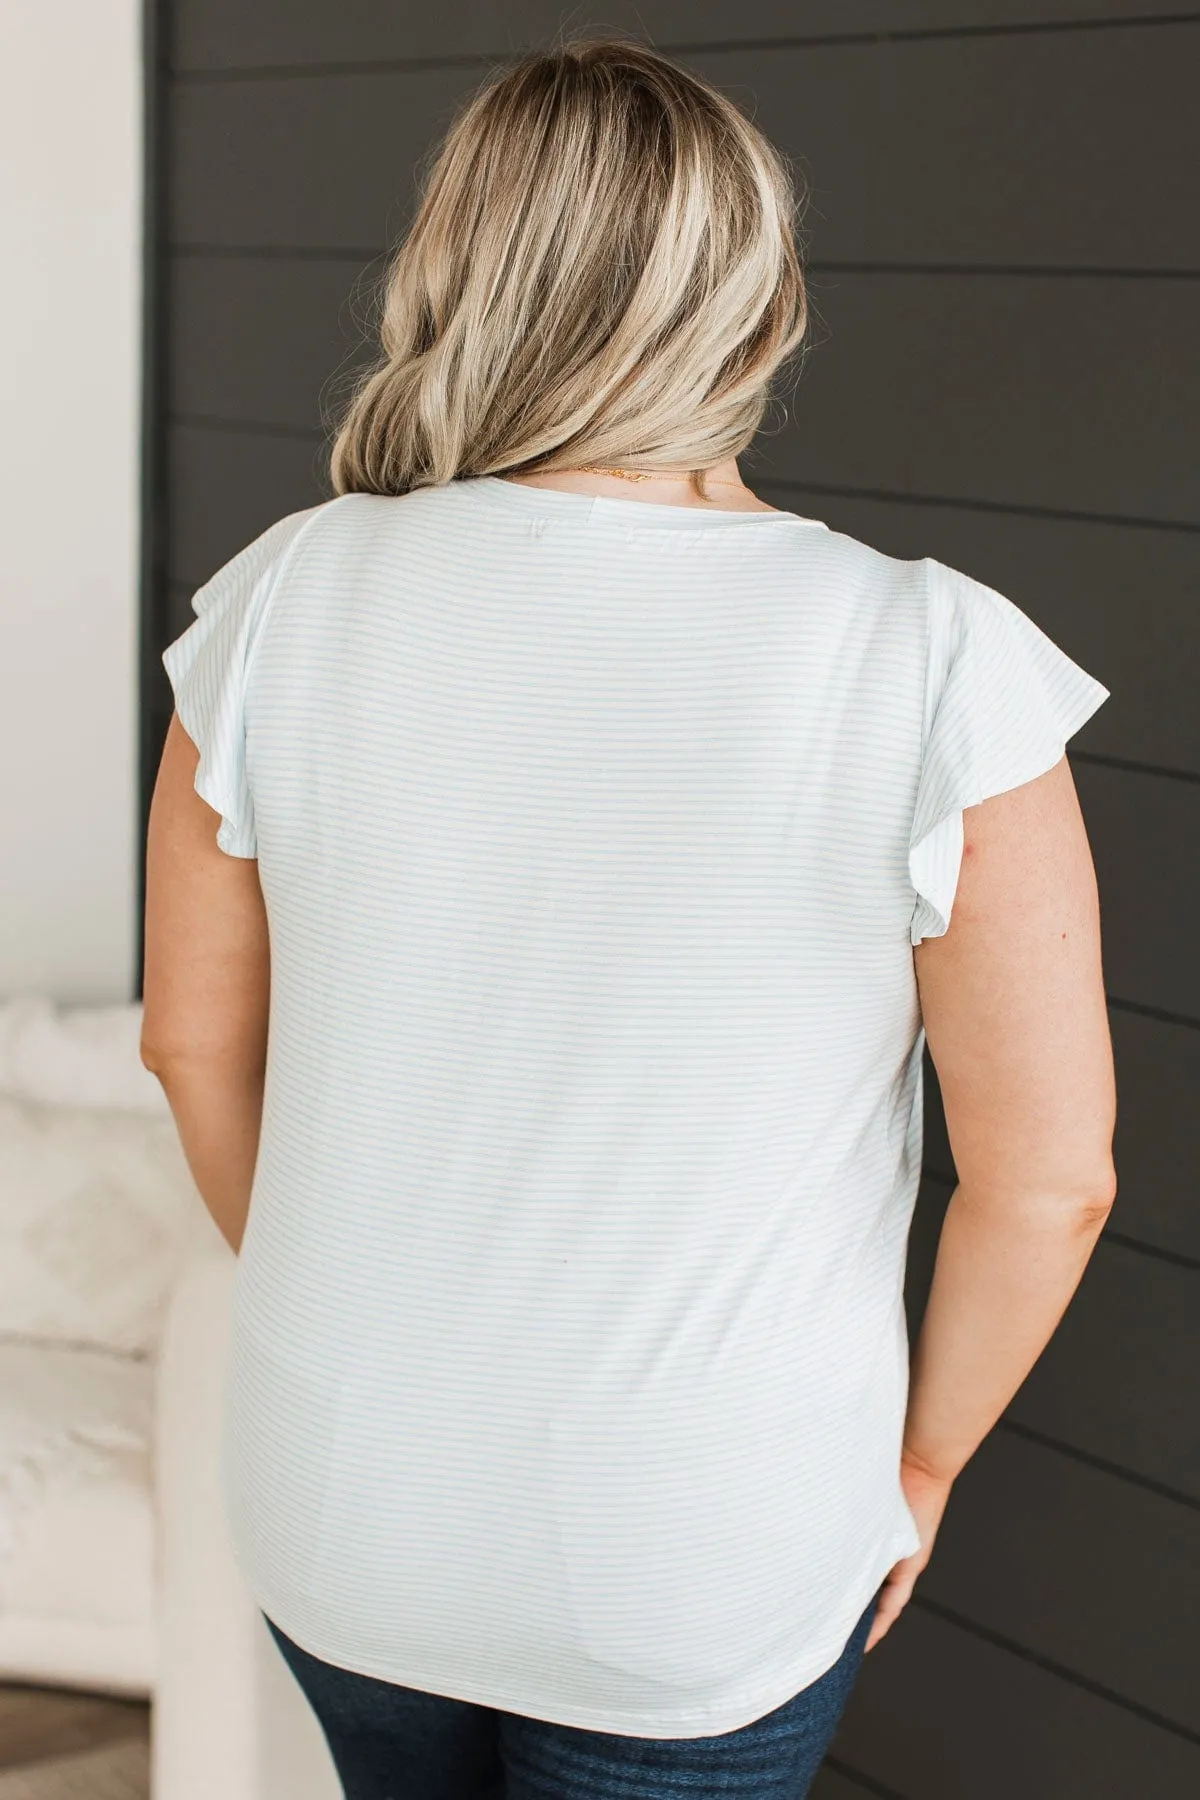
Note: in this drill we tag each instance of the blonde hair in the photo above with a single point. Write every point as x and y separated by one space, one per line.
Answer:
602 269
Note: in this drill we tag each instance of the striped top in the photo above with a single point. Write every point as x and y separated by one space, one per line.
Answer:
569 1362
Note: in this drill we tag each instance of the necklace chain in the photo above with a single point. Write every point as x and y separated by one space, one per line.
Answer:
638 475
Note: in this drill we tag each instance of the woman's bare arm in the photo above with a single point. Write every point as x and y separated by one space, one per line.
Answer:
1017 1026
206 987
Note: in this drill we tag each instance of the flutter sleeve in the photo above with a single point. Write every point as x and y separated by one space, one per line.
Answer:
1005 700
207 666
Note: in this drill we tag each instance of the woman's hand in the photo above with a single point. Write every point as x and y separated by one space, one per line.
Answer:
926 1494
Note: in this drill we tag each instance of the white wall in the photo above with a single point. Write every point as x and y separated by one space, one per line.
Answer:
70 226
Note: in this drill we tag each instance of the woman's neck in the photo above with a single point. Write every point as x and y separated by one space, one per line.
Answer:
723 482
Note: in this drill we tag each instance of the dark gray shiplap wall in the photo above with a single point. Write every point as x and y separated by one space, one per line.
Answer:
1003 265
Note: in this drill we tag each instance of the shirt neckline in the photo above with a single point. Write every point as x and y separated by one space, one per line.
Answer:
589 509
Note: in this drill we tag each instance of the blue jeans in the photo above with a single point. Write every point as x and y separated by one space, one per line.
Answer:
397 1743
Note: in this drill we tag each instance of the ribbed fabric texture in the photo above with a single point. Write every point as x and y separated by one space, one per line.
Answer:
569 1364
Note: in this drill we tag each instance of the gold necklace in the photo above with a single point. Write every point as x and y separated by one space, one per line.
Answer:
638 475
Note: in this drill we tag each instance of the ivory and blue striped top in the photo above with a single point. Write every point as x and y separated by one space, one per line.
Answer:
569 1365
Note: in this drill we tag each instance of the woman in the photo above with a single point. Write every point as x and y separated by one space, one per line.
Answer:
601 845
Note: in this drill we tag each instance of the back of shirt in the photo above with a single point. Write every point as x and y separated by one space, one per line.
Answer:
569 1360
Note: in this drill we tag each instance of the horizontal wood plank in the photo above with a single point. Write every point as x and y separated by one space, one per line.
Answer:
330 162
228 34
1040 173
1009 390
1111 1382
1083 1568
987 150
830 1784
1144 831
940 1713
1157 1142
267 340
224 488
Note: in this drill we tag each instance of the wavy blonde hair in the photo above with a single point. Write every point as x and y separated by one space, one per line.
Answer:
602 269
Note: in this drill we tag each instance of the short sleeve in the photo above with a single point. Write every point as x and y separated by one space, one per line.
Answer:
1003 700
207 667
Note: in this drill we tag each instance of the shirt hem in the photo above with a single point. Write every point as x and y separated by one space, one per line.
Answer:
679 1722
